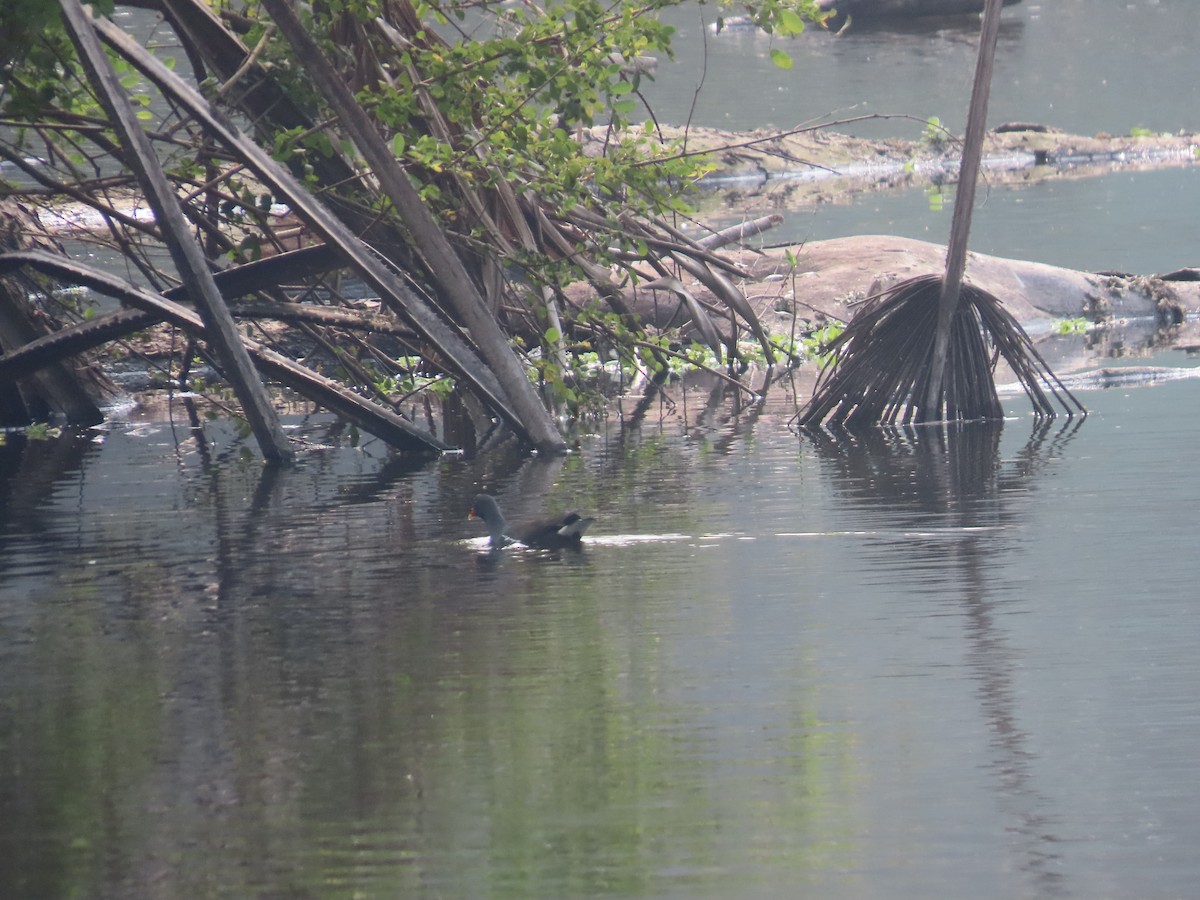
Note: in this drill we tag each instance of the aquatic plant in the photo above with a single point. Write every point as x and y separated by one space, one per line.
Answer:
1071 326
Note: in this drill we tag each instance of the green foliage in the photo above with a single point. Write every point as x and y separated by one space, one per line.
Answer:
1071 326
479 101
35 49
42 431
20 20
934 134
522 95
400 388
814 344
40 76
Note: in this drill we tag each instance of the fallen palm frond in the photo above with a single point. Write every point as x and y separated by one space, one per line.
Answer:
438 179
883 360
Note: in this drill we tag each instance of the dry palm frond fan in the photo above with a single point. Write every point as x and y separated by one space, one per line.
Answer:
926 350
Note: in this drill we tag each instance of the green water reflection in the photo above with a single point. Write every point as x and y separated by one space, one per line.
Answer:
909 664
209 693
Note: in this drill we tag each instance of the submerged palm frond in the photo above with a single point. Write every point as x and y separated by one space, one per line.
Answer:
927 350
883 361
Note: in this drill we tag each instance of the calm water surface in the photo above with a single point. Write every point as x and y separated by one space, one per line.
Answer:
1123 221
908 665
1081 65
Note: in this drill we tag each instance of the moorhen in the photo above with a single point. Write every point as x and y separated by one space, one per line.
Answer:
547 534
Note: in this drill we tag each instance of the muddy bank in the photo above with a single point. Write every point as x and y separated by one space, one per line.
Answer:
830 277
1034 292
798 168
762 170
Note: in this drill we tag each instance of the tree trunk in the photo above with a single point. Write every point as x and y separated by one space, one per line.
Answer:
441 261
964 201
185 253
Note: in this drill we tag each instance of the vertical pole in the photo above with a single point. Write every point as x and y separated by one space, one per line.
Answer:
185 253
964 201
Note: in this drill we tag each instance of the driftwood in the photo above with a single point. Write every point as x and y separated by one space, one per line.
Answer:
36 353
232 283
478 265
440 258
369 416
57 388
740 232
185 251
374 270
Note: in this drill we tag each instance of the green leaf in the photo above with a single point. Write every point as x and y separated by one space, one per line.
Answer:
398 145
791 22
552 335
780 58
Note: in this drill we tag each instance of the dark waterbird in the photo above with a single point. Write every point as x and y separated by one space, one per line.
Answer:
545 534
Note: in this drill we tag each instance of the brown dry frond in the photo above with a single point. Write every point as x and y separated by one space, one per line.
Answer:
882 362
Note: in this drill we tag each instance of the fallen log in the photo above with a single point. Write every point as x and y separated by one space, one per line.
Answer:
186 253
235 282
366 414
440 258
458 353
